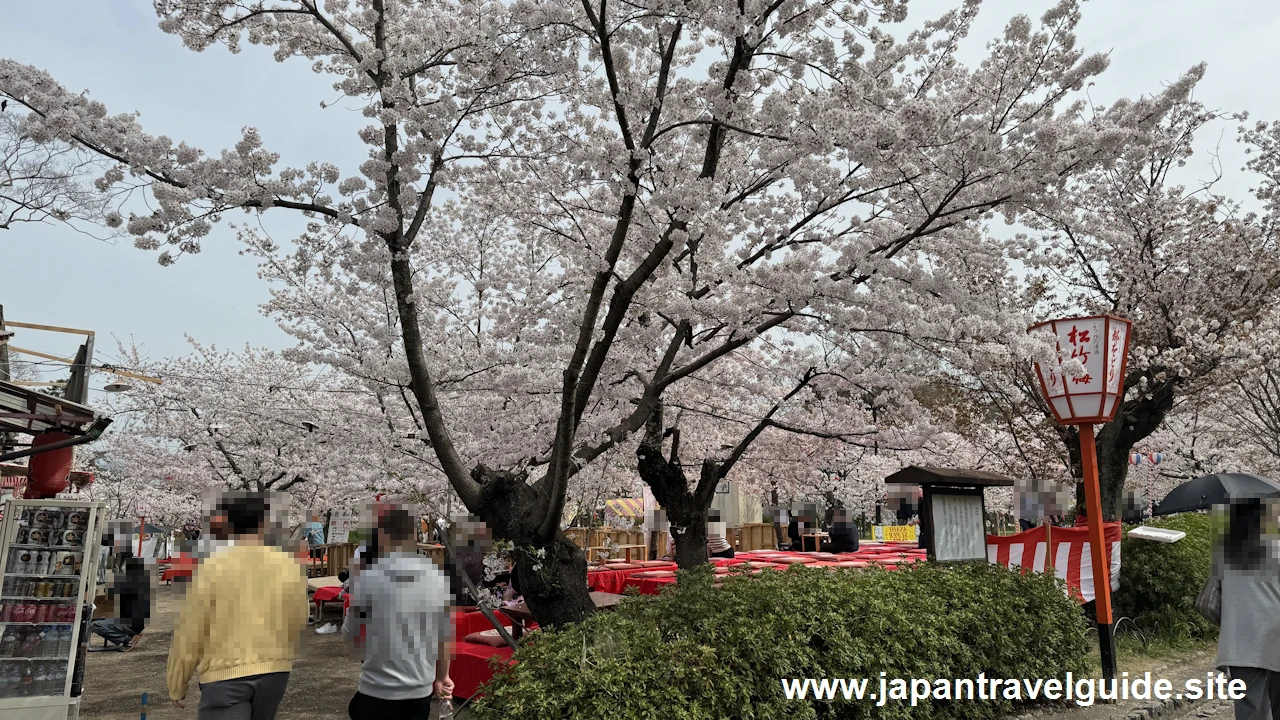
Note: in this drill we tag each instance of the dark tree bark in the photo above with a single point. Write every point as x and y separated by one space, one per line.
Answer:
777 526
686 509
557 591
1135 421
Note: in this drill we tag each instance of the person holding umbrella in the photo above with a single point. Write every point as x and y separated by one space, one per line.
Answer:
1247 560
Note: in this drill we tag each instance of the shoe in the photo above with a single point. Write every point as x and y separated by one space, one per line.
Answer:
131 644
327 629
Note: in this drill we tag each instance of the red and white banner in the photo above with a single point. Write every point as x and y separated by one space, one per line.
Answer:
1072 558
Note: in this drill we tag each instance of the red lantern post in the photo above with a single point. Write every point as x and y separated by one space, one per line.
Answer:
1091 394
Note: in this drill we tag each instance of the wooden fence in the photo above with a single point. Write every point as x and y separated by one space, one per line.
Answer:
336 558
433 551
753 536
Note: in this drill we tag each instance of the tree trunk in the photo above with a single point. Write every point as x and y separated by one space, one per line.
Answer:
686 509
1135 421
777 513
556 592
691 545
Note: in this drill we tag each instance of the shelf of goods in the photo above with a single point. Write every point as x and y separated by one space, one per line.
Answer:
46 577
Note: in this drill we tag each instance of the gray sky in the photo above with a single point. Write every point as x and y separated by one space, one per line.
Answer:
114 49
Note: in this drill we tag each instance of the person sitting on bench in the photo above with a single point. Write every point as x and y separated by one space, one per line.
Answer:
844 534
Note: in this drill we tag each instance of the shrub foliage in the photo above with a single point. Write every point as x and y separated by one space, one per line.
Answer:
1159 581
701 652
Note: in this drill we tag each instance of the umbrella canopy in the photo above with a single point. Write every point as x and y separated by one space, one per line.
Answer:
1209 490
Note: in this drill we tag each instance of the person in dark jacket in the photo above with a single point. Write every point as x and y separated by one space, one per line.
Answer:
793 533
133 604
844 534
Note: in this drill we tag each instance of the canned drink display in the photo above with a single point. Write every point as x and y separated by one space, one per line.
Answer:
76 520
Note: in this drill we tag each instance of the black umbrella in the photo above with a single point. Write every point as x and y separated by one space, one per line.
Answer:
1209 490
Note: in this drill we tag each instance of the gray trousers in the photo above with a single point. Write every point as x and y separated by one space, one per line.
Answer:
1261 696
255 697
111 632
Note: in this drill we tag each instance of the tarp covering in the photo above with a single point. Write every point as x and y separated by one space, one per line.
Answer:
626 507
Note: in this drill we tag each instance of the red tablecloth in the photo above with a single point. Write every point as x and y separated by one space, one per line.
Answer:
470 667
614 581
179 566
649 586
326 594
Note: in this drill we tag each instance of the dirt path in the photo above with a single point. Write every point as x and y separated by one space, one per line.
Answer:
322 683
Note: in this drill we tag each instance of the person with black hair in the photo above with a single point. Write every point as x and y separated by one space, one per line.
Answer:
844 535
132 589
1248 564
401 601
242 621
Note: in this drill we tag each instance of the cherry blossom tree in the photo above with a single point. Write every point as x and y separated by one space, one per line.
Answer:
568 209
255 420
43 180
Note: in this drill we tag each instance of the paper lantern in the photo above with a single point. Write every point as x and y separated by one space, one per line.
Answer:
47 472
1101 345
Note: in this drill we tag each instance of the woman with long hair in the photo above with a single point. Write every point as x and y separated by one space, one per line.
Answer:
1249 643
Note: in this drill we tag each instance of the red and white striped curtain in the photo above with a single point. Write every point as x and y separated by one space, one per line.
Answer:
1072 558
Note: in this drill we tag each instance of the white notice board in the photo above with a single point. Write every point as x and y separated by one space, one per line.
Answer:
958 531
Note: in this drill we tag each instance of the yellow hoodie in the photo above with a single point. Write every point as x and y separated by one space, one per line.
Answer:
244 615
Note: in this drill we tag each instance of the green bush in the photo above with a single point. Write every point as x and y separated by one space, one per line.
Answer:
1159 581
698 652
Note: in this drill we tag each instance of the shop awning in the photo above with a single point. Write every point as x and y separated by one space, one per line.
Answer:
626 507
29 412
15 476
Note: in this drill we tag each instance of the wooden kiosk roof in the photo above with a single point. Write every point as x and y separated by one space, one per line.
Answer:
919 475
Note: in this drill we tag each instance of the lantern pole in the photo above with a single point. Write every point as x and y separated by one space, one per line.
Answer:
1098 552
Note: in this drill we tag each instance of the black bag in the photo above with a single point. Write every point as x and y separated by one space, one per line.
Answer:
1209 601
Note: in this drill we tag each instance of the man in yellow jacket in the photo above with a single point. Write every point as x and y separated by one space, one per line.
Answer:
241 624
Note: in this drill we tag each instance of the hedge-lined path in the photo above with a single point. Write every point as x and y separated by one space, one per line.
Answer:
1176 669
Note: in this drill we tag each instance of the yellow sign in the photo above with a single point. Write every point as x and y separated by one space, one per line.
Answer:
895 533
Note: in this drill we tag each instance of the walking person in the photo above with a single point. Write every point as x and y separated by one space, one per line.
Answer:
242 622
1249 642
401 602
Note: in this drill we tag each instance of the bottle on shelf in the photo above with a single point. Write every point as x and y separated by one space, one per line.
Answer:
9 643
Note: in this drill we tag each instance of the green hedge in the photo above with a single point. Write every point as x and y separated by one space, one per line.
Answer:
698 652
1159 581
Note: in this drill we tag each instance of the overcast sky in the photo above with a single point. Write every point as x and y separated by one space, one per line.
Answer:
113 48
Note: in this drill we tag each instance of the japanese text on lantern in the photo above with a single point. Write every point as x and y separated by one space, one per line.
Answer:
1115 357
1079 339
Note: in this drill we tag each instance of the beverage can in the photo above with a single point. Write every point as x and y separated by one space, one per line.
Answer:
77 520
45 589
21 537
20 562
38 536
29 588
66 562
6 609
42 518
72 538
41 614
